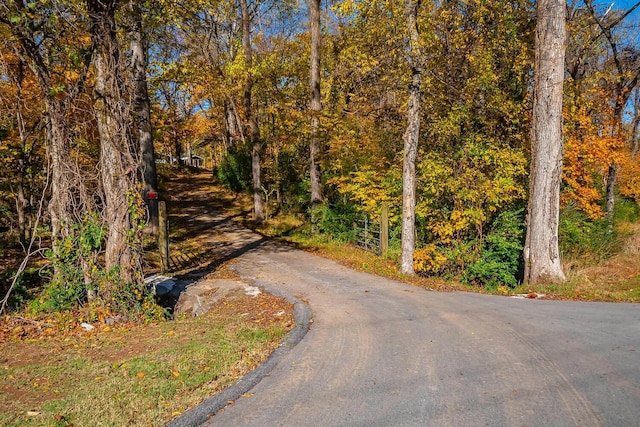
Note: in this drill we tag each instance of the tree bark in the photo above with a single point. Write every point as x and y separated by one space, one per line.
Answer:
65 181
634 125
316 107
252 122
142 107
21 200
611 195
410 137
541 253
116 148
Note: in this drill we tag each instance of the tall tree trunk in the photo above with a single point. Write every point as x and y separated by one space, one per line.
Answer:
68 202
252 121
634 124
21 203
21 200
541 253
410 137
61 169
188 154
116 147
316 108
142 107
177 145
611 195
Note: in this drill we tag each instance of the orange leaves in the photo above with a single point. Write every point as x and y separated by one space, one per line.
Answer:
629 179
593 143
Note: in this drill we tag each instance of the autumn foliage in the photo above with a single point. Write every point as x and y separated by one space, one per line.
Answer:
474 144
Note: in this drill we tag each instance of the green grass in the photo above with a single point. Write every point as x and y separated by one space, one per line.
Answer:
582 284
143 376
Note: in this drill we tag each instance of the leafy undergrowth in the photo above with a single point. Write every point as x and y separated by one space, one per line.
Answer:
616 279
131 374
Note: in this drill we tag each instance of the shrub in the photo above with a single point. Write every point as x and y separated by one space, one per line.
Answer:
428 260
580 237
234 171
75 256
501 254
21 292
336 221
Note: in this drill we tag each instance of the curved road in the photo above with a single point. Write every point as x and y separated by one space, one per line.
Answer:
380 352
384 353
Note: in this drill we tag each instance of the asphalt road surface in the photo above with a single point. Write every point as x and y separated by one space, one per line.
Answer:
383 353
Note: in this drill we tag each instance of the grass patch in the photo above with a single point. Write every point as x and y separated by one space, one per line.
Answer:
137 375
616 278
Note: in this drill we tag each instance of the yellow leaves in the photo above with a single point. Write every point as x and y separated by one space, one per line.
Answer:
428 259
370 188
344 8
460 193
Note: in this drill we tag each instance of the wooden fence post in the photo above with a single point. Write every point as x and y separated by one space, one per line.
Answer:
384 229
163 236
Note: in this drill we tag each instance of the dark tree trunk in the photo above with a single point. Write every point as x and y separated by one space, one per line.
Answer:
177 145
252 121
611 195
541 253
22 204
316 107
117 161
142 106
634 124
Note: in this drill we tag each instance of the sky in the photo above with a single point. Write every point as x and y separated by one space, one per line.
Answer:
623 4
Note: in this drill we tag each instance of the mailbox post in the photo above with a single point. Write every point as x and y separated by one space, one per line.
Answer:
163 236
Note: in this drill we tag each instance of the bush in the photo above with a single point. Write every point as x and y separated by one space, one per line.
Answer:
428 260
21 293
336 221
234 171
580 236
626 210
501 254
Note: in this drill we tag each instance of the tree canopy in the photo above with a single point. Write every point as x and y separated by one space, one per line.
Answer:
310 115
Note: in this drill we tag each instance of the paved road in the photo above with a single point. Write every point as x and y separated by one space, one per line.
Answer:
382 353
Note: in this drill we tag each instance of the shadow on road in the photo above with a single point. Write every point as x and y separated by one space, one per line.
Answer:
207 230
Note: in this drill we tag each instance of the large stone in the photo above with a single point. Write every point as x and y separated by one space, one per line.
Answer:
161 285
200 297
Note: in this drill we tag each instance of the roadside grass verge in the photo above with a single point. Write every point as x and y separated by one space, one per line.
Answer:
616 279
140 375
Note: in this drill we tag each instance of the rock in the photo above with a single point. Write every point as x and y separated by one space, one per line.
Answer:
87 327
112 320
165 287
252 290
200 297
161 285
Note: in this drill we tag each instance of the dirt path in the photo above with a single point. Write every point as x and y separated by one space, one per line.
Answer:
206 225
